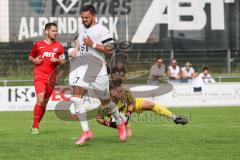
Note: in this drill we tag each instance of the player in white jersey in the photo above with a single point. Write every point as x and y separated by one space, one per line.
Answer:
95 41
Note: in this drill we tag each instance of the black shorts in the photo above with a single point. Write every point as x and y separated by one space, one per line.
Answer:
197 89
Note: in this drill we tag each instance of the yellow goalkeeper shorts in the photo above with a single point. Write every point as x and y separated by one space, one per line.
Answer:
138 105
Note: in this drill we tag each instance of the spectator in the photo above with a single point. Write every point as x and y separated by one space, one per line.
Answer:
174 72
187 72
119 72
207 78
157 72
197 81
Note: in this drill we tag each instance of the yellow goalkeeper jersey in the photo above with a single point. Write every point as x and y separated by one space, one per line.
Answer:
126 100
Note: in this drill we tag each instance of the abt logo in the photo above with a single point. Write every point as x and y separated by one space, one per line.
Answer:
48 54
180 15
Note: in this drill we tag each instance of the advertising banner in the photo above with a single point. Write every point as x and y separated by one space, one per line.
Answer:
169 24
182 95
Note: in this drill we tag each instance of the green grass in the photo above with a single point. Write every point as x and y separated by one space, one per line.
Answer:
213 134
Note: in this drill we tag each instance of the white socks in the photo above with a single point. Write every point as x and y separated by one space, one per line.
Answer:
72 109
174 117
80 109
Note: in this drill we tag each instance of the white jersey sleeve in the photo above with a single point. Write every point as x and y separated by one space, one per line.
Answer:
105 36
70 50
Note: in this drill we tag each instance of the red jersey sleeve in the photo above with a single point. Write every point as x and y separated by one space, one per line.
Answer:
34 51
61 52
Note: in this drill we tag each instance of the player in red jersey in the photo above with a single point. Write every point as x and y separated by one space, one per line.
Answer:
46 55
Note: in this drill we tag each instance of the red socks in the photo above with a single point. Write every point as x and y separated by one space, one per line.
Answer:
38 114
43 112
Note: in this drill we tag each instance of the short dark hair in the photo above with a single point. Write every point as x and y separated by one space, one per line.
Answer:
89 8
48 25
114 84
205 68
159 57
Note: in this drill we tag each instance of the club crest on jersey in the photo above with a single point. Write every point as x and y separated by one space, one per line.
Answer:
55 50
48 55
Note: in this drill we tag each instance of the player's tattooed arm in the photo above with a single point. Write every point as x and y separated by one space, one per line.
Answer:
131 107
131 103
106 49
35 60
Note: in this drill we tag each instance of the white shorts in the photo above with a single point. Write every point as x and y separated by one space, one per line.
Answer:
99 83
71 77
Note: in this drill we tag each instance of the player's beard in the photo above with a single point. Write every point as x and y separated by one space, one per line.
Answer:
87 25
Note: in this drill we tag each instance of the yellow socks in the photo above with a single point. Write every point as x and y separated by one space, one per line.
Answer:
162 111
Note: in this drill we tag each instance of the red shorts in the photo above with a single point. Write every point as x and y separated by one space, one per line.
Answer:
43 86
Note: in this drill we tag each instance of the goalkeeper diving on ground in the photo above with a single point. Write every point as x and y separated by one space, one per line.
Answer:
128 104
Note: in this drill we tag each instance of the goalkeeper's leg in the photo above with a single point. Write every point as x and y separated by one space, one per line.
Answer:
162 111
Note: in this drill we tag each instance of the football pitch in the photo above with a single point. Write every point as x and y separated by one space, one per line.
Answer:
213 134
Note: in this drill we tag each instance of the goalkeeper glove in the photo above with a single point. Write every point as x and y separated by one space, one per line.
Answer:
126 117
109 123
